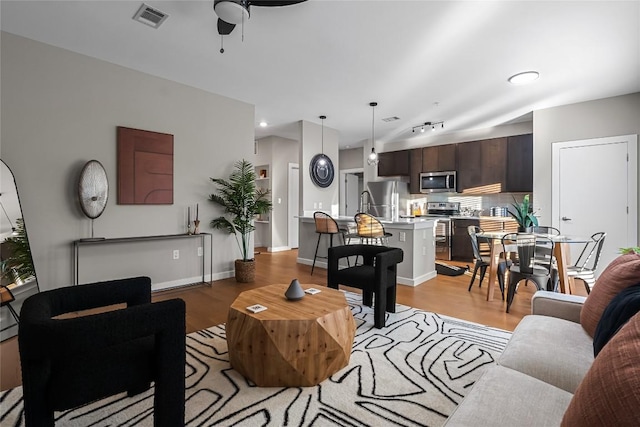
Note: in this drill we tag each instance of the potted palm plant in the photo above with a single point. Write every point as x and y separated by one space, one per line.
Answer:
522 213
242 201
18 266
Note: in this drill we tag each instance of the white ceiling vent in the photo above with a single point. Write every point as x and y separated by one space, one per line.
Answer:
150 16
391 119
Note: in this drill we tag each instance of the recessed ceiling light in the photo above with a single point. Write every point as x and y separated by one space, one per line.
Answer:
263 124
524 77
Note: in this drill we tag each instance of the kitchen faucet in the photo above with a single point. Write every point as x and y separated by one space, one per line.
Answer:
364 201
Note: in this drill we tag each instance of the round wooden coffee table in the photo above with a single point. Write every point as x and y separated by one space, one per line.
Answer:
292 343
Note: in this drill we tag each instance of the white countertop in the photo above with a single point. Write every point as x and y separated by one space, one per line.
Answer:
388 223
485 218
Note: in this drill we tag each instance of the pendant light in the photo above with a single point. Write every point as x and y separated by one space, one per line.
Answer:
321 167
373 156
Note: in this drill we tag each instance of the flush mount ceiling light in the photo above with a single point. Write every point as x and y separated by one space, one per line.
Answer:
263 124
426 125
524 78
373 156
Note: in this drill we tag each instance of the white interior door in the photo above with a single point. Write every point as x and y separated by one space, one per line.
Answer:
595 189
292 209
352 194
350 189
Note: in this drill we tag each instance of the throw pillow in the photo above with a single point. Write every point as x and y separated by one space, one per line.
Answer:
621 273
608 394
621 308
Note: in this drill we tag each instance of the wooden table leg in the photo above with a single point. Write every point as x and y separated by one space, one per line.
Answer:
561 252
493 267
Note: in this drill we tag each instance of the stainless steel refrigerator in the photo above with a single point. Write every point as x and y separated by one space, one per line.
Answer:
385 198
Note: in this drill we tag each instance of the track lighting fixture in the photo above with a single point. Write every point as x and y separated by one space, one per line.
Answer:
427 124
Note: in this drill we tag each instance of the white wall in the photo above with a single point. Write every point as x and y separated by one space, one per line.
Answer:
61 109
614 116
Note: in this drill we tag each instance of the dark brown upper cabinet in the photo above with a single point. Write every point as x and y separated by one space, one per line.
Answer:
439 158
394 163
482 166
415 168
520 164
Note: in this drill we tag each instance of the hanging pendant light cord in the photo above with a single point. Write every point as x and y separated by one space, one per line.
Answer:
373 120
373 157
322 118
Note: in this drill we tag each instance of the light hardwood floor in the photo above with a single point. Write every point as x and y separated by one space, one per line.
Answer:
208 305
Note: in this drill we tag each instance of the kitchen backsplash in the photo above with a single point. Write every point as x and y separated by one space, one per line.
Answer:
482 204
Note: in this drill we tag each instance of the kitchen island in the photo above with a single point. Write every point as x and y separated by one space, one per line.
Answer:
413 235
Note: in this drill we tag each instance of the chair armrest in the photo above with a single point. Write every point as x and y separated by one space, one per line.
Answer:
389 257
132 291
558 305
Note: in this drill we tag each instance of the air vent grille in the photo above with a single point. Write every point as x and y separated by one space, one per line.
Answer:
391 119
150 16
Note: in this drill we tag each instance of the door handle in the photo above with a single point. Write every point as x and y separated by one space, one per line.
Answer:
564 218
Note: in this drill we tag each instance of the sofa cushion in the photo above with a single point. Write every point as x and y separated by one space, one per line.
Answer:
608 395
556 351
504 397
621 273
621 308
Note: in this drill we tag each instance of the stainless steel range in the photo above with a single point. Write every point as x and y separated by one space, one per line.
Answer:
442 212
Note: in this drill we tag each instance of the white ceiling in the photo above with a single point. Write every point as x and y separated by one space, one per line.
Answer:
420 60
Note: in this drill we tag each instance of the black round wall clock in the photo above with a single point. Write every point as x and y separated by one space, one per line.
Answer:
321 170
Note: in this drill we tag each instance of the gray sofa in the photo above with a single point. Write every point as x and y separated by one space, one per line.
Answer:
544 363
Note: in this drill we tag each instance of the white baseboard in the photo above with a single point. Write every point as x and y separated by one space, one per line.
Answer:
278 249
191 280
415 282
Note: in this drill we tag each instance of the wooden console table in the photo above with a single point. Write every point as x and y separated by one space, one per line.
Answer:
84 242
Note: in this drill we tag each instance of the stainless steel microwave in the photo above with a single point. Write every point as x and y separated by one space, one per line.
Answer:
438 182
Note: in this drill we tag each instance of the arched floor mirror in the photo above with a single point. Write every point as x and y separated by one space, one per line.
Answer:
18 278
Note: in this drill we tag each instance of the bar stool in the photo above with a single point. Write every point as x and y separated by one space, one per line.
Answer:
325 225
371 230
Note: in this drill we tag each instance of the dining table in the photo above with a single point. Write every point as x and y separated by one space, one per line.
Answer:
561 252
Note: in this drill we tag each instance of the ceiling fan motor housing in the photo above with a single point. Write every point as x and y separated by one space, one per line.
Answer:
232 11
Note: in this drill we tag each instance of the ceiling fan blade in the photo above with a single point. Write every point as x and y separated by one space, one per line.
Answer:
274 3
225 28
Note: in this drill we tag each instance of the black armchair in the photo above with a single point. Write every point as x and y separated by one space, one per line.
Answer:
68 362
375 276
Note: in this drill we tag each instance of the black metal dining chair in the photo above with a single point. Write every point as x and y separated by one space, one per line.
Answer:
483 261
529 248
587 263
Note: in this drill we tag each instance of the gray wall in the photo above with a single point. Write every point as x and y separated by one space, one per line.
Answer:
614 116
351 158
60 109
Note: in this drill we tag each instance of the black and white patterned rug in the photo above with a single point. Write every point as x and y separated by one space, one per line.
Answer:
412 373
